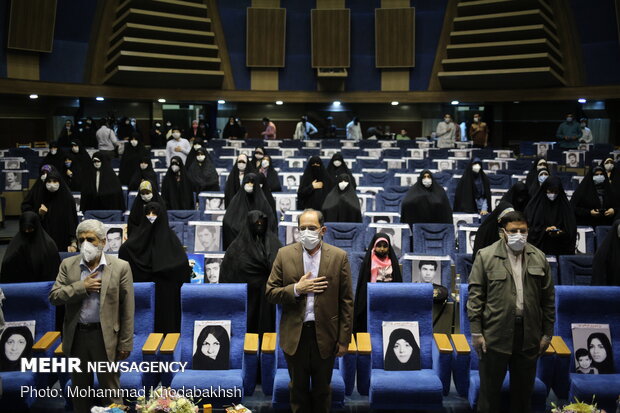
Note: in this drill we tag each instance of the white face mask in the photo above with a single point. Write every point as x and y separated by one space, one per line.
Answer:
609 167
476 168
176 135
52 187
569 119
542 178
552 196
427 182
151 218
264 164
97 165
146 197
258 156
89 251
196 147
309 239
516 242
241 166
53 151
43 177
249 188
476 120
75 149
343 185
133 142
175 168
337 163
598 179
158 125
447 120
200 158
143 166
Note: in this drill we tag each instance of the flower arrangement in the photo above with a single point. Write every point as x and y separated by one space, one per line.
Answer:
113 408
577 407
165 400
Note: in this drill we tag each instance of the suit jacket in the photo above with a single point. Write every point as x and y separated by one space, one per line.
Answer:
116 303
492 298
333 308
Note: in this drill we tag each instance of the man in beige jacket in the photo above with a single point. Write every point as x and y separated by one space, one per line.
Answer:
97 292
312 282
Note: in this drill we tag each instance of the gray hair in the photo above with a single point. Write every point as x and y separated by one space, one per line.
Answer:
317 212
91 225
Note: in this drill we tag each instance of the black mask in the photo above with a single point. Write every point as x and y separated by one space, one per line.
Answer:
381 254
259 227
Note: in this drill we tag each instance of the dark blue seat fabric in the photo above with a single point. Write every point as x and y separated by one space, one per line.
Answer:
215 302
183 215
405 390
499 181
575 269
64 255
106 216
24 302
592 305
553 266
377 178
346 235
356 259
388 201
435 239
463 264
600 234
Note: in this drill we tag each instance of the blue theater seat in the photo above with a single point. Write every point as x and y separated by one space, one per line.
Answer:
463 264
183 215
105 216
575 269
388 201
592 305
346 235
435 239
377 178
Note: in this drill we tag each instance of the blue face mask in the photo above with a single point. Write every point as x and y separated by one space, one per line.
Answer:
542 178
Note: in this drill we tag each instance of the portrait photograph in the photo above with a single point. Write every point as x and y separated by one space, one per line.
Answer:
12 164
494 166
445 165
207 237
394 163
425 270
212 265
541 149
593 350
292 233
416 153
115 236
16 343
12 181
213 202
290 181
285 202
401 345
196 263
211 345
572 159
470 238
408 179
288 153
580 243
214 215
379 218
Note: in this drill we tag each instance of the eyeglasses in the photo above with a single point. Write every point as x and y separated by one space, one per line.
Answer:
516 231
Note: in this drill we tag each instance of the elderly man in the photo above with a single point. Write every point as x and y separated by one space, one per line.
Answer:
97 292
511 310
312 281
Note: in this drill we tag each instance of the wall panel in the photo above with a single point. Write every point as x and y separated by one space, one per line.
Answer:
331 38
266 37
395 37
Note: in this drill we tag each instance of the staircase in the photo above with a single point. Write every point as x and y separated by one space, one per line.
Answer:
163 42
503 44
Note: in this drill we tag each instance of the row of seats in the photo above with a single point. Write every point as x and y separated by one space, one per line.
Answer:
442 358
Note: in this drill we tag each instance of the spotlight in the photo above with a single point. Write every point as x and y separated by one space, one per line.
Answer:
581 100
161 100
279 102
394 103
221 102
336 103
100 98
455 102
34 96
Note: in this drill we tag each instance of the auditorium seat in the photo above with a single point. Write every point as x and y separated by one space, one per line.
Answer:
465 366
593 305
275 378
217 302
388 201
105 216
500 181
25 302
463 264
413 389
400 235
553 266
346 235
600 234
356 259
183 215
575 269
384 178
435 239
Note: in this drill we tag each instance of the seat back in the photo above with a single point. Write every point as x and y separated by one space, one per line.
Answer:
465 329
104 215
601 232
346 235
553 266
435 239
214 231
214 302
144 321
388 201
183 215
585 240
592 305
400 302
463 264
356 259
376 178
64 255
575 269
500 181
29 301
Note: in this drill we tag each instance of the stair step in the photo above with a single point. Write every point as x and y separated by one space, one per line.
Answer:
515 18
129 58
465 50
156 18
149 76
159 32
533 31
137 44
188 8
517 78
502 62
478 7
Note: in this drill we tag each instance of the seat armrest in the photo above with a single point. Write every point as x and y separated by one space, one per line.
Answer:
58 352
560 347
442 342
269 343
170 343
46 342
550 351
152 343
363 343
352 346
461 346
250 344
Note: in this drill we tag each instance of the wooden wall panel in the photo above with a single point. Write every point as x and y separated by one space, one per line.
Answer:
266 37
331 38
31 25
395 37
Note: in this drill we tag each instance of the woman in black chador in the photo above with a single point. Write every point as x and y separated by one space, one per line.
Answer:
426 202
342 204
606 265
101 188
248 260
202 173
337 166
314 186
176 188
155 254
133 153
473 192
595 201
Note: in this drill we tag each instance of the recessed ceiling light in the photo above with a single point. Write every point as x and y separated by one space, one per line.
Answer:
100 98
221 102
161 100
455 102
336 103
34 96
581 100
279 102
394 103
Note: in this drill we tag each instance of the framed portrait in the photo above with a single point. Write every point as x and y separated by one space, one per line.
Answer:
207 236
394 163
273 143
288 152
211 345
401 345
372 190
13 180
291 232
461 153
214 215
233 143
444 164
407 179
416 153
503 153
13 163
212 266
197 264
158 153
296 163
542 148
329 152
433 269
290 180
213 201
467 237
459 219
374 152
115 235
581 245
366 202
494 166
573 159
425 144
382 217
16 343
285 202
312 143
593 350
